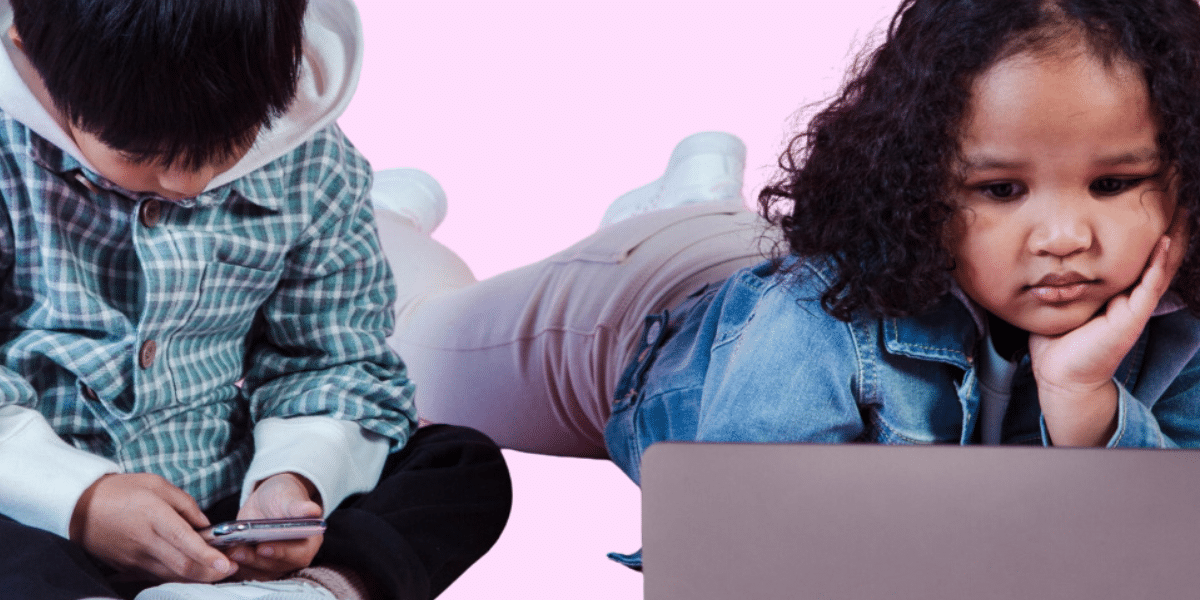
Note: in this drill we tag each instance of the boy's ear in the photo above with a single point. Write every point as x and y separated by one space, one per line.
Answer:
16 38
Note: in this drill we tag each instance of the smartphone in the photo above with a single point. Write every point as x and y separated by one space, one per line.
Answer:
253 531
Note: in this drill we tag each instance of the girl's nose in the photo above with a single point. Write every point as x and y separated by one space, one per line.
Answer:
1063 228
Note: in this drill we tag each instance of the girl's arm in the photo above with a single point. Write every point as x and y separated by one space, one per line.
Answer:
1074 371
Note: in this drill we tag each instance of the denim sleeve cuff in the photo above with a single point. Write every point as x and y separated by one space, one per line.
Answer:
1136 425
41 476
339 457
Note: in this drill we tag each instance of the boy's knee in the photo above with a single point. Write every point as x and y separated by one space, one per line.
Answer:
453 445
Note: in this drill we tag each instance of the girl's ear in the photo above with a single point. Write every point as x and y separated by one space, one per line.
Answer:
16 38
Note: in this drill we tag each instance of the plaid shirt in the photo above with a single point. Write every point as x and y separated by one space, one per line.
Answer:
128 320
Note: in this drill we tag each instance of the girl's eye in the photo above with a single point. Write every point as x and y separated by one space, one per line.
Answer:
1006 190
1111 186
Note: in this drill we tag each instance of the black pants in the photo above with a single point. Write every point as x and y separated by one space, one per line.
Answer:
441 503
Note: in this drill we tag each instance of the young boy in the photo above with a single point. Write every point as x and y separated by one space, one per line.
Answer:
193 313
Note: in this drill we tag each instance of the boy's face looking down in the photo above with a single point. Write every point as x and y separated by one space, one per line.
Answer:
171 182
1063 195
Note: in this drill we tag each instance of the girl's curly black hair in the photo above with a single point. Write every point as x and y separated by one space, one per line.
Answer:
867 184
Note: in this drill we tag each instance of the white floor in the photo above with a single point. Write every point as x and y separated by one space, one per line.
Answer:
534 115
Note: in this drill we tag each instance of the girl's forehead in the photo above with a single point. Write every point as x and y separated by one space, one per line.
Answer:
1055 105
1060 78
1060 46
1065 76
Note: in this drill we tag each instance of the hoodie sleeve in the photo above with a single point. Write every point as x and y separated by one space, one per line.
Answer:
41 476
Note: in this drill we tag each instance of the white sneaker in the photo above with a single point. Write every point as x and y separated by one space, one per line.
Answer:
411 193
704 167
287 589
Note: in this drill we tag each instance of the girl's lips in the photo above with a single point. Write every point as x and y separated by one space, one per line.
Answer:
1059 294
1057 288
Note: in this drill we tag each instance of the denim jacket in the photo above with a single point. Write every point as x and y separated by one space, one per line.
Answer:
758 360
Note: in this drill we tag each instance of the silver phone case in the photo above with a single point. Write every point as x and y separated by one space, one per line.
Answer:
254 531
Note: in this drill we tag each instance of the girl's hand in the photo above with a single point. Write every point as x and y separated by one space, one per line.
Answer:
140 523
283 495
1074 370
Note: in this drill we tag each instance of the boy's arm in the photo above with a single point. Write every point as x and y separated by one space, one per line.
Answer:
303 467
41 476
338 457
328 396
323 351
133 522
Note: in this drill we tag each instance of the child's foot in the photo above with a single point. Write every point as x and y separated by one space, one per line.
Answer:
412 194
287 589
704 167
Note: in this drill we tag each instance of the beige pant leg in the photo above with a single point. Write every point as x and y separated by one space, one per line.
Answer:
531 357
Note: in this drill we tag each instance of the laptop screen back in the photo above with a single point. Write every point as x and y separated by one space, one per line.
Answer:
859 522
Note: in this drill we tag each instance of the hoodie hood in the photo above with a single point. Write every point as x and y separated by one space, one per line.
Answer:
329 72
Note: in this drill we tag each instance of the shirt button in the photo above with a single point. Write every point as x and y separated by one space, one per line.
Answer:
150 212
90 394
146 355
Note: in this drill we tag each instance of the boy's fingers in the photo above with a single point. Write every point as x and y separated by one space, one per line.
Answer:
291 551
282 495
192 557
305 508
185 506
178 565
276 558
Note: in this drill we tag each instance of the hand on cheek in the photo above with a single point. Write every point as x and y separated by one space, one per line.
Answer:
283 495
1074 371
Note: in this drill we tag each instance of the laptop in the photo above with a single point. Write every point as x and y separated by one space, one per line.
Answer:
863 522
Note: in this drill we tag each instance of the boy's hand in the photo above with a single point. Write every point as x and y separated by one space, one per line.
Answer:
283 495
1074 371
138 522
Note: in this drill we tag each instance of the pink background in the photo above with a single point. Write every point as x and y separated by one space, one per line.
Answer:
534 116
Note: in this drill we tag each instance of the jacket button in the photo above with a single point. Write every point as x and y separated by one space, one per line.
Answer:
89 393
652 332
146 355
150 212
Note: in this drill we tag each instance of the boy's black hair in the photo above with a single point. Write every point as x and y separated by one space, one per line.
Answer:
867 184
176 82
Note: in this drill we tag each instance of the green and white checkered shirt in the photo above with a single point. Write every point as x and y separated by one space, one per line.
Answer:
128 320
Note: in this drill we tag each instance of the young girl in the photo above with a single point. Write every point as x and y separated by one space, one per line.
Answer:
986 241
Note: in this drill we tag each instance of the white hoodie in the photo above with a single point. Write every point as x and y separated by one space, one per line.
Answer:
41 476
